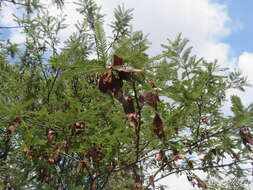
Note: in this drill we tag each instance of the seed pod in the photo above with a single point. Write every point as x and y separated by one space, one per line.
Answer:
13 126
246 136
158 127
50 136
117 60
151 98
108 82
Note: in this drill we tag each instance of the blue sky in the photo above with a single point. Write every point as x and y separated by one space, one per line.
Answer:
240 11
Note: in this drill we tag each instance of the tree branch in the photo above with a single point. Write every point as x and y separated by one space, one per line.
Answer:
198 168
10 27
14 2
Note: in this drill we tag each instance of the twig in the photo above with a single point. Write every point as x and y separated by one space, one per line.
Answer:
52 86
199 168
137 129
14 2
10 27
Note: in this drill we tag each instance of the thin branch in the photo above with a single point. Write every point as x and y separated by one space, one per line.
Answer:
198 168
137 129
14 2
10 27
111 44
52 86
195 144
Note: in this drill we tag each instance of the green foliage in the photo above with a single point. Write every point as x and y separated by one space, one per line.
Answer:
121 25
100 113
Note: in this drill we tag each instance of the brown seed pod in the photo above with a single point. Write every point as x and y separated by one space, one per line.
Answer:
108 82
128 105
160 157
130 70
246 136
50 136
201 184
13 126
158 127
151 98
133 119
117 60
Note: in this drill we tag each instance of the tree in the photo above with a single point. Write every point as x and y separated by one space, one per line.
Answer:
103 114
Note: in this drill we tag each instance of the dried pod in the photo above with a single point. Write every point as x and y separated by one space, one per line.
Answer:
158 127
178 156
128 105
62 144
13 126
80 167
27 150
95 154
108 82
133 119
50 136
94 185
130 70
190 163
152 181
138 182
54 158
77 128
124 76
201 184
246 136
160 157
151 98
117 60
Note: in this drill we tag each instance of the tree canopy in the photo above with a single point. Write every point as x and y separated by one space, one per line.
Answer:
98 112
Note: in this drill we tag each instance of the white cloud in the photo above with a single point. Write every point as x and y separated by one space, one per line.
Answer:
245 64
203 22
7 18
17 37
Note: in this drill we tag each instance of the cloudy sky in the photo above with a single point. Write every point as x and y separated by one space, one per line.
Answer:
217 29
